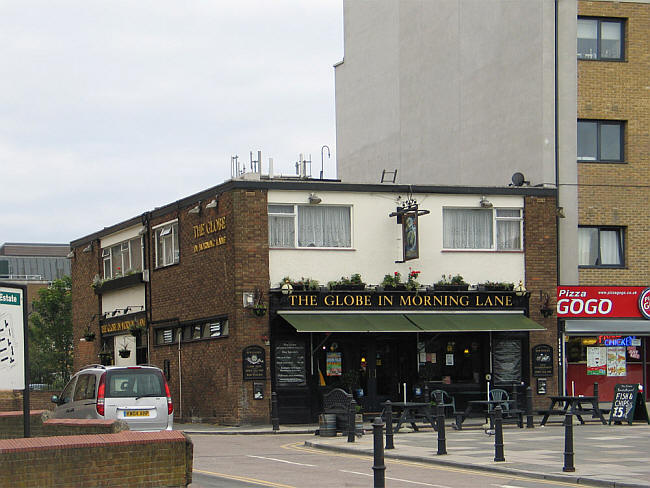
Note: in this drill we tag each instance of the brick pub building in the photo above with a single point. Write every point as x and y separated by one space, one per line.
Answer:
194 287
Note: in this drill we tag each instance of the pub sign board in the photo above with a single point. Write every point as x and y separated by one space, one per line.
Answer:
254 363
628 404
542 358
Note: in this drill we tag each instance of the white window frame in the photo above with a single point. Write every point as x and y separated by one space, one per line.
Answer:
495 219
294 217
166 227
107 258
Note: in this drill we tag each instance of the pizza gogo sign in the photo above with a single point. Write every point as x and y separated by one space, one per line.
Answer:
603 301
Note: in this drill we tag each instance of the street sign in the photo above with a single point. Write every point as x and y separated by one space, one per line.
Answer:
12 337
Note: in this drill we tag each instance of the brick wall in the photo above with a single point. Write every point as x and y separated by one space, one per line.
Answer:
540 236
142 459
38 400
617 194
210 283
85 304
12 425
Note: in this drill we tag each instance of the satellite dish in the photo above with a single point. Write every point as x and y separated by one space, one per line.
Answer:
518 179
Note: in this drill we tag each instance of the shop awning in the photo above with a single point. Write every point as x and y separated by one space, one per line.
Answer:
606 326
472 322
400 322
349 322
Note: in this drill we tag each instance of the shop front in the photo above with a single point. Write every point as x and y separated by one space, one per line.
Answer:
395 346
123 340
606 337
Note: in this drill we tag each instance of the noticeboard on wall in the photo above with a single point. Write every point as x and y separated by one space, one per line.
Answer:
542 358
254 363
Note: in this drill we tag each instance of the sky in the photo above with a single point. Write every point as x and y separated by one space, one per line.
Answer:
112 108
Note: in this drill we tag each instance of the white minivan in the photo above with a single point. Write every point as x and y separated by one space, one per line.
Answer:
139 395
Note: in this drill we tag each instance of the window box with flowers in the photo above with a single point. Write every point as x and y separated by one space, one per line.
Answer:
451 283
496 286
102 286
393 282
353 283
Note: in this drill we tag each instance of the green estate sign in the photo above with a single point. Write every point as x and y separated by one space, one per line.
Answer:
9 298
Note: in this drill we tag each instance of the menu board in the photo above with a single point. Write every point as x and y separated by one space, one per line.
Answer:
507 361
628 405
596 360
616 361
290 363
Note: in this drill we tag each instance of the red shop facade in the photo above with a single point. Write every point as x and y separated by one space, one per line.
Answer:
605 332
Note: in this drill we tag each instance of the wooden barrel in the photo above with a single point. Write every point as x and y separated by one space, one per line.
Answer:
327 424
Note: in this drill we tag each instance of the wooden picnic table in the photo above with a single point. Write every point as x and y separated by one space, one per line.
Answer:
574 405
411 412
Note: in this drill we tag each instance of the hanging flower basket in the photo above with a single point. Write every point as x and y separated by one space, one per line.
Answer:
259 310
124 353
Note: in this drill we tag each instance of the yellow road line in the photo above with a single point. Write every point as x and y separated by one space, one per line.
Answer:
245 479
298 446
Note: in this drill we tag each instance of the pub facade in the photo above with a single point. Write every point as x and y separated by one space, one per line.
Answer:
300 286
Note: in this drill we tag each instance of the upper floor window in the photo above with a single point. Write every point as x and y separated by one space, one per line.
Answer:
320 226
600 246
600 140
166 236
208 329
123 258
482 228
600 38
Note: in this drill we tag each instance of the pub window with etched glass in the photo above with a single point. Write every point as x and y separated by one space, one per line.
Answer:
601 247
166 244
600 38
487 229
309 226
122 259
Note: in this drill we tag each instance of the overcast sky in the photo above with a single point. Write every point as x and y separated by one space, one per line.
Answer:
112 108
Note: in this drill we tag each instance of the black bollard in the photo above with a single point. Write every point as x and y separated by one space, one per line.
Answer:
498 434
442 440
568 444
530 424
379 468
351 413
427 394
274 411
389 425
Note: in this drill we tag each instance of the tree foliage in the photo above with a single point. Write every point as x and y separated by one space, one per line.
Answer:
50 334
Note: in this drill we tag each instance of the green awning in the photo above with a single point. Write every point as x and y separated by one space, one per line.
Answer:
349 322
412 322
472 322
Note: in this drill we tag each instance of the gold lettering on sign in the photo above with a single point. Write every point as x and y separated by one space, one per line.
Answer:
206 229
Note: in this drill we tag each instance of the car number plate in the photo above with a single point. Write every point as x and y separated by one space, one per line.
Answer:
136 413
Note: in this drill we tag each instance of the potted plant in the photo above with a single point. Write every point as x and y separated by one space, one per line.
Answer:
105 356
412 283
88 335
354 282
451 283
124 351
136 329
393 282
310 284
259 309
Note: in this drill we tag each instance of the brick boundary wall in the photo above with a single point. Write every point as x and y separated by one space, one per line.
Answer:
11 400
12 425
125 459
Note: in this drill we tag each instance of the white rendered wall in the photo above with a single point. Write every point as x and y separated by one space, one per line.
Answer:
376 242
121 236
132 296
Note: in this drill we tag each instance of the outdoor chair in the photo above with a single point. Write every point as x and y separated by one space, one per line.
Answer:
443 398
498 395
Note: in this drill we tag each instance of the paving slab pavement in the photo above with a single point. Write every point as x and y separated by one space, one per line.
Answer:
605 455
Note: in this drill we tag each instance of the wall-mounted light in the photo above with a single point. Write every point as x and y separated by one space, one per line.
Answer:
195 210
248 298
520 289
70 255
485 203
287 289
212 204
88 248
314 199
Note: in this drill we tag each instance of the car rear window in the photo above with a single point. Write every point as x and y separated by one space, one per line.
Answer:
134 383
